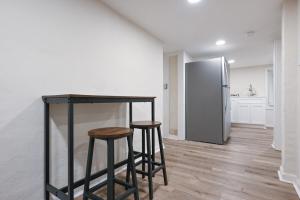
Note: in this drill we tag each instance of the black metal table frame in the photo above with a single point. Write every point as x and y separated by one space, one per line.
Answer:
67 192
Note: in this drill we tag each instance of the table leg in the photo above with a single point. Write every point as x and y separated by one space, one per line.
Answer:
46 150
71 151
153 110
110 170
128 166
130 112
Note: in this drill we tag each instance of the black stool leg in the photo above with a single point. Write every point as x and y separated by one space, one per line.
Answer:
88 168
162 155
132 166
149 165
128 169
143 152
110 170
153 148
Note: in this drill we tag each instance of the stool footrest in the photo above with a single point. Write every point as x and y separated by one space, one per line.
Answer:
123 183
126 194
97 187
58 193
141 172
146 162
153 172
138 163
93 197
137 154
157 169
102 184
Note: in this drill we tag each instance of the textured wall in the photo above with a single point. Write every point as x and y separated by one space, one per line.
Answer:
66 46
290 85
241 78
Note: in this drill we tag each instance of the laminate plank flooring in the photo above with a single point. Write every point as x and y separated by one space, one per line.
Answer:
244 169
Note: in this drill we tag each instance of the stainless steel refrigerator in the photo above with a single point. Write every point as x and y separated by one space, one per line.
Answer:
208 101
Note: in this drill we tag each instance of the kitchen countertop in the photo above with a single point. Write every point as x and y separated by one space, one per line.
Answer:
246 97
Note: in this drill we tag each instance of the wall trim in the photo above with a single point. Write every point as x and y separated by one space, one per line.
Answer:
297 187
289 178
174 137
274 147
244 125
286 177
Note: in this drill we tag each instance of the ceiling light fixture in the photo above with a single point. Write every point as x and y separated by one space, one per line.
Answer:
193 1
231 61
220 42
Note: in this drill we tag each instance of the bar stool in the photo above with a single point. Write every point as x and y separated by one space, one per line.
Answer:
147 158
110 135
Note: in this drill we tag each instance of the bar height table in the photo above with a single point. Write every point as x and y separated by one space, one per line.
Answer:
67 192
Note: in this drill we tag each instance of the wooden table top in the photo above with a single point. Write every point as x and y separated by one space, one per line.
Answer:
81 98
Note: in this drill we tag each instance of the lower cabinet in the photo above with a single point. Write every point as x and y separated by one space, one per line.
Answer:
244 113
258 114
248 110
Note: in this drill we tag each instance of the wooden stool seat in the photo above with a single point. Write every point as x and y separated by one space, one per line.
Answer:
145 124
110 133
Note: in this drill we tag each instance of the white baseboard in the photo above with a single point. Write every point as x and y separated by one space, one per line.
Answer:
243 125
173 137
297 187
285 177
274 147
289 178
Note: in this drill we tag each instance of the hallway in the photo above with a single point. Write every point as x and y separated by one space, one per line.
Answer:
244 169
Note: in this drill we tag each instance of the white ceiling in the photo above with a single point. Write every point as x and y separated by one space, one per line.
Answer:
195 28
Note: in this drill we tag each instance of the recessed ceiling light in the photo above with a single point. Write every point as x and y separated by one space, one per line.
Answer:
231 61
220 42
193 1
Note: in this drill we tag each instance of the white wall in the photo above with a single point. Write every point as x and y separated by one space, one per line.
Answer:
64 46
166 95
290 167
298 32
241 78
173 92
289 70
182 59
297 182
277 139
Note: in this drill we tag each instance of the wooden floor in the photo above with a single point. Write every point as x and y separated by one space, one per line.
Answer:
244 169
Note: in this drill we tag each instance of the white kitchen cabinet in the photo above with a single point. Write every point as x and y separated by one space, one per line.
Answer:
234 111
244 113
258 114
270 117
250 110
